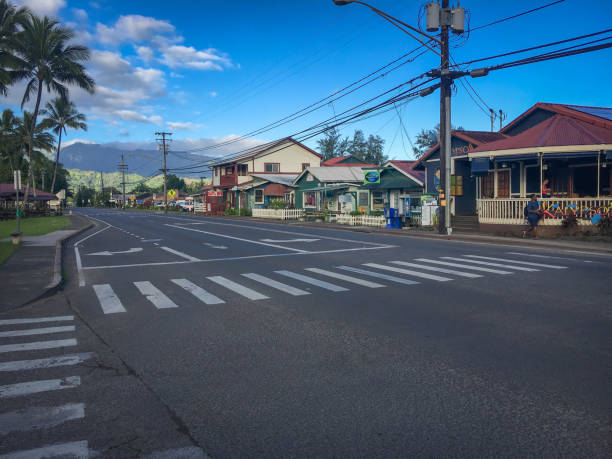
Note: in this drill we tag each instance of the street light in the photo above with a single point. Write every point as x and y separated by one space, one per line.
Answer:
396 22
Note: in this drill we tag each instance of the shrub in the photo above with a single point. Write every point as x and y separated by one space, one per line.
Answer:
355 213
230 211
376 213
277 204
244 212
605 225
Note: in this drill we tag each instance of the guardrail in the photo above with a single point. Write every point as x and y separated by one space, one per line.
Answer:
279 214
555 210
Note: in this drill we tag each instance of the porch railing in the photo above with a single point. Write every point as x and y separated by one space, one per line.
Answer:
281 214
511 211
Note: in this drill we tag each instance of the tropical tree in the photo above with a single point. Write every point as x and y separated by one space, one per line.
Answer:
8 138
46 58
62 113
332 144
32 142
10 20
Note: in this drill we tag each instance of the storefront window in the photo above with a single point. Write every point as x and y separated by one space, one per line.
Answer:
456 185
310 199
377 198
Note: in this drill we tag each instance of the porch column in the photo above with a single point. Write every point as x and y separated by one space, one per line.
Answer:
598 170
541 174
495 179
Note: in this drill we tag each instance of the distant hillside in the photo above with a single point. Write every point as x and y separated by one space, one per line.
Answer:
103 158
91 179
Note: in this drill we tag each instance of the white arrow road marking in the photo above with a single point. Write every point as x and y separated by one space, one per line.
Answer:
289 240
107 253
213 246
150 240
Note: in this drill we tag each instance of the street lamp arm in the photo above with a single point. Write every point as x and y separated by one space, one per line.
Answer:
392 20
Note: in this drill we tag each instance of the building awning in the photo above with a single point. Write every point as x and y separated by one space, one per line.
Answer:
396 183
480 167
330 188
568 155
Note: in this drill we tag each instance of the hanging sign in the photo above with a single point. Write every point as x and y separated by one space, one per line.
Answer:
371 177
215 194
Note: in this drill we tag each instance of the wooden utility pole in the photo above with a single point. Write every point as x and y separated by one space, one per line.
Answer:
165 169
492 114
102 186
123 168
445 124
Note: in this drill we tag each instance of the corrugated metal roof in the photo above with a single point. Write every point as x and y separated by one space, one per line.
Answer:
556 131
337 174
283 179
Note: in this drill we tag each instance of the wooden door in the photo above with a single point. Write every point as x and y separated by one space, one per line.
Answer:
503 184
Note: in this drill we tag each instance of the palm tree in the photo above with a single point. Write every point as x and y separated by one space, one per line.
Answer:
33 143
62 114
10 19
47 59
8 140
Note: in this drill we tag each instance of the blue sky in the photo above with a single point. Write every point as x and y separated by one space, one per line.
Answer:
209 70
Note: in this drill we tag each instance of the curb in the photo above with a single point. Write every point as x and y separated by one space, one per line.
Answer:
56 281
433 236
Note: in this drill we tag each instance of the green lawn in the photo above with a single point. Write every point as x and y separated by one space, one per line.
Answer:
34 226
6 250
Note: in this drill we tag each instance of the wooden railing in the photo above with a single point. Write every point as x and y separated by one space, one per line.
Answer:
281 214
555 210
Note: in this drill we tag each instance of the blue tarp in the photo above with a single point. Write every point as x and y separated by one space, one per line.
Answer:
480 167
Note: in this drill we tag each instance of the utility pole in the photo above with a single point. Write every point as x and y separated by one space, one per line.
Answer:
492 115
444 222
102 186
123 167
502 117
163 145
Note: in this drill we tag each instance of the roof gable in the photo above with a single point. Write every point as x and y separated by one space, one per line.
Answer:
260 150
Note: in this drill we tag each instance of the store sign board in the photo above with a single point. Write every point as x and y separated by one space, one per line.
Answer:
371 177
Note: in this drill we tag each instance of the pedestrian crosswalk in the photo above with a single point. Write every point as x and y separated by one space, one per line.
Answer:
17 365
217 289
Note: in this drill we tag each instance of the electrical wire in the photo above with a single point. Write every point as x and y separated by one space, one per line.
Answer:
517 15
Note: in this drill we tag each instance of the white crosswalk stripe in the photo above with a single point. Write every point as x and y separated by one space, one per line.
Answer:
351 279
275 284
198 292
73 450
36 331
51 362
40 417
37 345
109 302
237 288
312 281
438 269
528 263
154 295
409 272
34 387
36 320
388 277
488 263
464 266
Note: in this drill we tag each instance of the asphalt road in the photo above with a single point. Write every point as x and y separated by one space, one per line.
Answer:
228 338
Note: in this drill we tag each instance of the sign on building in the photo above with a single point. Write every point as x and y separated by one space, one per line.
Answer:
371 177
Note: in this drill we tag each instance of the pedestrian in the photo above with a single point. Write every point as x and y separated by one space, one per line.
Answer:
533 213
546 188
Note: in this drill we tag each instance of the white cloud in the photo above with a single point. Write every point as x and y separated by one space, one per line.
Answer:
183 125
72 142
145 53
195 143
134 28
44 7
212 94
177 56
130 115
80 15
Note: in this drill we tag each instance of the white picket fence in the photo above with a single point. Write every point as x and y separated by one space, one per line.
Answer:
360 220
199 207
279 214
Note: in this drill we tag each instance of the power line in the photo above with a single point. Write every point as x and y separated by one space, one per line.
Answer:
517 15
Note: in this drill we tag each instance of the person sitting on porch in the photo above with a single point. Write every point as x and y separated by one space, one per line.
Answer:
546 188
533 214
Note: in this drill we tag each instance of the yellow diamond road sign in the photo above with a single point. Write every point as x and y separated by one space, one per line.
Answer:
171 194
132 198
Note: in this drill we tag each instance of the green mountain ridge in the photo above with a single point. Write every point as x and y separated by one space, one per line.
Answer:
92 179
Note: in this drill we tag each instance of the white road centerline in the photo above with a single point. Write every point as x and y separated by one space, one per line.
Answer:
180 254
437 269
528 263
36 320
399 280
198 292
312 281
154 295
35 387
39 417
50 362
409 272
275 284
237 288
37 331
464 266
73 450
488 263
239 239
344 277
109 301
37 345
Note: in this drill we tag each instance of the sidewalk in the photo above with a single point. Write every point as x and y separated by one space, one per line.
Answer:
563 244
35 267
